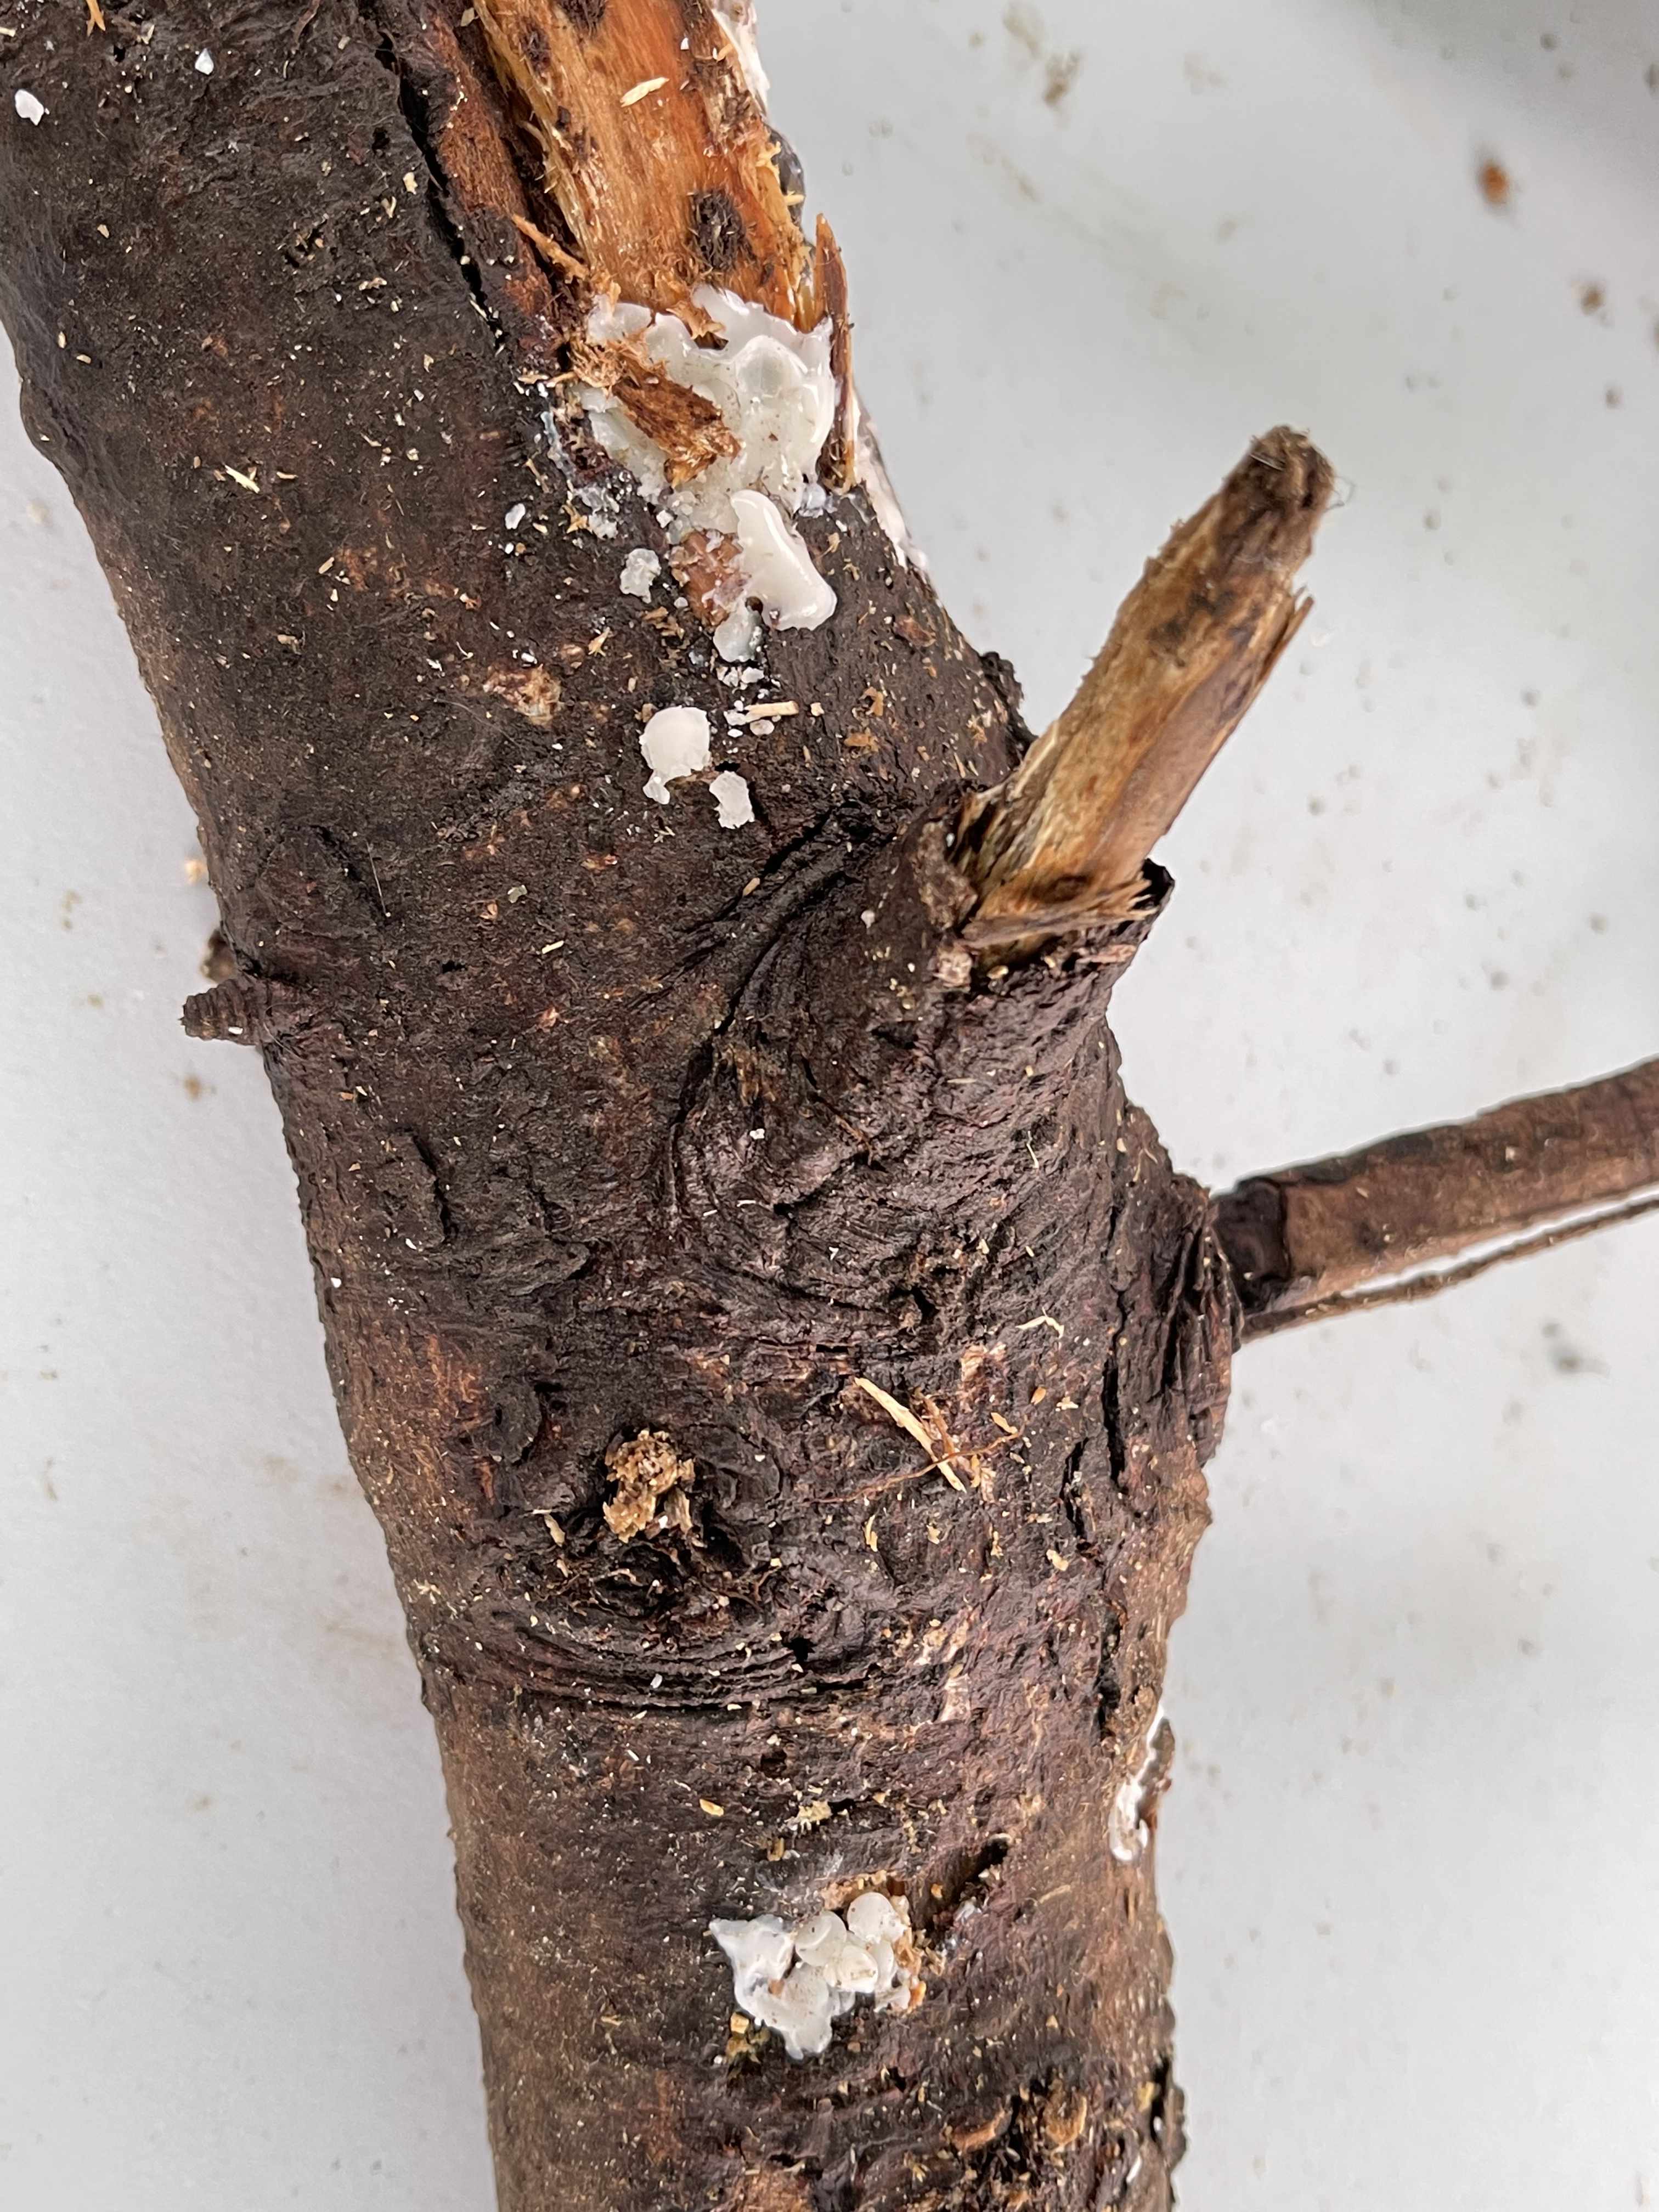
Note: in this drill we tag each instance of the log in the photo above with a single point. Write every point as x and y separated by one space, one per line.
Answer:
781 1359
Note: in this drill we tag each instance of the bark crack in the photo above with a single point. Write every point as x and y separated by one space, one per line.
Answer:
412 102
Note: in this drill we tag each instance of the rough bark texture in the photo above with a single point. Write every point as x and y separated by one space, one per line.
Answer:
608 1121
628 1144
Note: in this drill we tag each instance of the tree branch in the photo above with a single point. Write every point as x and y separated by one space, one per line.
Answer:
1065 841
638 1133
1379 1227
642 1135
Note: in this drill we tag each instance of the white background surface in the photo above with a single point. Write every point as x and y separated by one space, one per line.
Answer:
1412 1859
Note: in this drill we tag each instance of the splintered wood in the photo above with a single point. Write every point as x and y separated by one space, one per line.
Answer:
653 148
652 1480
690 428
1065 841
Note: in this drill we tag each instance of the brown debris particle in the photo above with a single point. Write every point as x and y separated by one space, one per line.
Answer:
838 464
1592 297
531 692
1059 76
966 2141
718 237
690 428
707 568
218 961
1065 2117
652 1481
769 2189
1493 179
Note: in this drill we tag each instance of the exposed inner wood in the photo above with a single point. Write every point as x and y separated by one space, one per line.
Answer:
654 149
1066 838
478 168
1312 1240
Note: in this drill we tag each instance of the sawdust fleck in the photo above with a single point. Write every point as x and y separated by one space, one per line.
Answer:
1493 179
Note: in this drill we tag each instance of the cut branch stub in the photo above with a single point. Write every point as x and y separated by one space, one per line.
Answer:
1376 1226
1065 841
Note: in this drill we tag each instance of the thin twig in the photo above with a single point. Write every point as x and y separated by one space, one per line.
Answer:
1418 1287
1372 1228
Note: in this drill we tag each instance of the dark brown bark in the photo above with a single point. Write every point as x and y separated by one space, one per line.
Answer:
628 1144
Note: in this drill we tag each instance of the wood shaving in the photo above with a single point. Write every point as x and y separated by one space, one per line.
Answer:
652 1480
550 250
889 1405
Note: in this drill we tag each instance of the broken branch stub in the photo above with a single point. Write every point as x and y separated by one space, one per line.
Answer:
1064 844
653 145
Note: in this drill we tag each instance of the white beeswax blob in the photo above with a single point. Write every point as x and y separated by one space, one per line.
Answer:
799 1980
639 572
733 797
675 742
771 384
778 567
775 390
